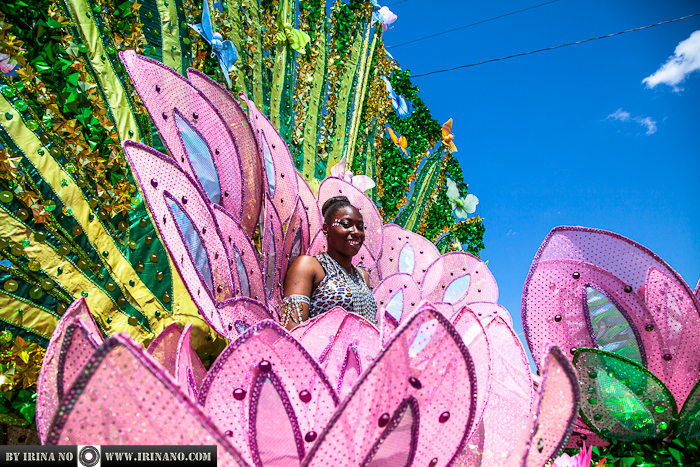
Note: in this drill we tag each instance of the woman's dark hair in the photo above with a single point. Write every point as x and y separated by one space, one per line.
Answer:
332 205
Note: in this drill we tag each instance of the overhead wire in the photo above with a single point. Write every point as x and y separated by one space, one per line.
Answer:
555 47
468 25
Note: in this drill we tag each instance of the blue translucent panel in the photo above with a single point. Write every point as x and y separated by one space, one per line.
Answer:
611 329
407 259
395 305
269 166
193 242
200 158
274 433
296 246
624 405
457 289
397 449
242 274
241 326
426 331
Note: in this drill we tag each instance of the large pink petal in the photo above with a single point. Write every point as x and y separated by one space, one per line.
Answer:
189 371
425 373
459 278
239 314
267 360
124 398
76 349
296 238
397 295
272 253
309 199
406 252
163 349
47 397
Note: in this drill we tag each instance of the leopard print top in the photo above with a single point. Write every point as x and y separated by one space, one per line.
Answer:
339 288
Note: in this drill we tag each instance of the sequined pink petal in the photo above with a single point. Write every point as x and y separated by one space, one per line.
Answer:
343 343
474 336
508 409
459 278
189 230
251 165
309 199
231 390
386 324
189 371
76 350
272 253
331 187
153 410
296 238
47 398
406 252
425 373
487 311
242 255
193 131
239 314
398 295
163 349
318 244
282 186
555 412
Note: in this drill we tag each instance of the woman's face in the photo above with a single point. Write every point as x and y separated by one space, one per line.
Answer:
346 231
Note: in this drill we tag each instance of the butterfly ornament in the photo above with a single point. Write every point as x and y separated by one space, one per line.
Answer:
401 142
461 206
402 106
223 50
447 136
361 182
383 15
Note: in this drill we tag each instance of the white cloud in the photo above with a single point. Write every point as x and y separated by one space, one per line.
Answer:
684 61
624 116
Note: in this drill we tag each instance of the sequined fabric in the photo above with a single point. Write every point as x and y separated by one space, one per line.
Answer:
338 288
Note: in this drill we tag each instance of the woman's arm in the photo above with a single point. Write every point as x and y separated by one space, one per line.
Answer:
303 276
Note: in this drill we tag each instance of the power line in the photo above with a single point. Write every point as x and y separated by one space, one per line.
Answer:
555 47
468 25
396 3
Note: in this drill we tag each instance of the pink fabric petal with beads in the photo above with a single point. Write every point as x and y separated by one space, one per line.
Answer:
331 187
163 349
47 399
344 344
697 290
474 336
166 93
580 433
508 410
406 252
487 311
189 371
675 312
556 410
272 254
318 244
152 408
240 314
281 175
312 210
386 325
303 397
76 350
242 256
296 237
188 228
459 278
398 295
251 165
425 373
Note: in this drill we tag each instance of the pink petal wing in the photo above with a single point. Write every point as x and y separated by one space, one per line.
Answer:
272 254
242 130
76 350
386 324
398 295
406 252
424 373
459 278
318 244
189 371
47 398
163 349
487 311
189 230
343 343
296 238
186 119
331 187
153 410
282 185
266 362
243 257
309 199
240 314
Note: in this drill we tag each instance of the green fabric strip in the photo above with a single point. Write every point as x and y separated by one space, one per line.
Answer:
418 202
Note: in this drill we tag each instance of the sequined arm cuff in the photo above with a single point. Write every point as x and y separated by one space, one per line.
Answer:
292 308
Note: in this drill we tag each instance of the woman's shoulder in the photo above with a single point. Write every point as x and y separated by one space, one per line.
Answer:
304 262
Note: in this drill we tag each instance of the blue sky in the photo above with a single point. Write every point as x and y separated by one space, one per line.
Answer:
565 137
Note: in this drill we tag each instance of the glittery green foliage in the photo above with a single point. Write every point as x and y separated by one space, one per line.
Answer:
674 452
346 23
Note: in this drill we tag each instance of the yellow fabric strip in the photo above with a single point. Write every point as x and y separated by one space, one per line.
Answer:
32 319
235 36
170 34
71 195
117 97
279 72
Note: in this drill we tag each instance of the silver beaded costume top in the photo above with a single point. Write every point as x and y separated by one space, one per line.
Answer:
340 288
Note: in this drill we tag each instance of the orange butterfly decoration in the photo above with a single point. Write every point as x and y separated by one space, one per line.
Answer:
447 136
400 142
